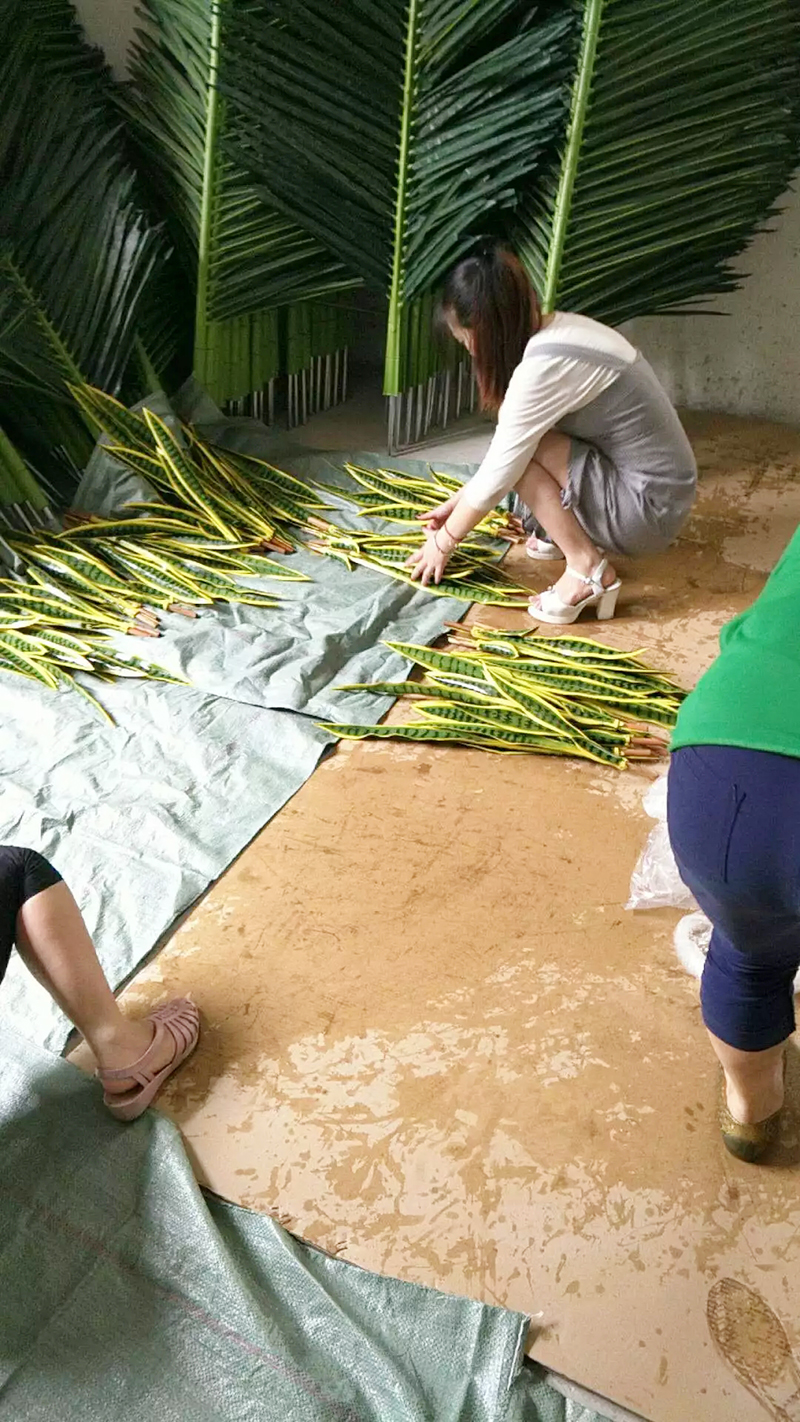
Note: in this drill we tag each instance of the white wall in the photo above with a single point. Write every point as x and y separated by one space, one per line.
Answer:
746 361
109 23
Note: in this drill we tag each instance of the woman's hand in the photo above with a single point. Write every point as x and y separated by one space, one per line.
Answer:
437 518
429 562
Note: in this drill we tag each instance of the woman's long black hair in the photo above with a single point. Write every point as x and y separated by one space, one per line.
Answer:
489 295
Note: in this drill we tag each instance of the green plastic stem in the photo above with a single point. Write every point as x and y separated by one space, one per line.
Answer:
580 102
209 195
392 385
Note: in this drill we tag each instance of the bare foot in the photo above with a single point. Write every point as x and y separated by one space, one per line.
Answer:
126 1045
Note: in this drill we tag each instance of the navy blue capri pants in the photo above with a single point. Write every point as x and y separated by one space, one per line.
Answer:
734 823
23 873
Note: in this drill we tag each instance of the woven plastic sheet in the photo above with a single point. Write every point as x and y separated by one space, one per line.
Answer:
142 816
138 817
125 1293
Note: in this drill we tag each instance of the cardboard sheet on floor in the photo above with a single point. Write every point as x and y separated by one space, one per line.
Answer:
141 816
124 1292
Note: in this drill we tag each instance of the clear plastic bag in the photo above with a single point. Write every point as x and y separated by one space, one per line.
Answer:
655 882
692 937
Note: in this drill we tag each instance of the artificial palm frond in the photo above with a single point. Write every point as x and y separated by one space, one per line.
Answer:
683 132
76 252
393 133
39 416
318 89
19 490
519 692
242 258
485 93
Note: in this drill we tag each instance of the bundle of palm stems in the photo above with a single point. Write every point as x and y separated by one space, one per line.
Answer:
518 691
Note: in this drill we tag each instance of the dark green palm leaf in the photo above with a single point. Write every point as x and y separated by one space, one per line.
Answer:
683 133
17 483
392 133
484 97
241 256
318 88
76 252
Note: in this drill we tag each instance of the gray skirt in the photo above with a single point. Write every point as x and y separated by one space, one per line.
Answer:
632 474
621 516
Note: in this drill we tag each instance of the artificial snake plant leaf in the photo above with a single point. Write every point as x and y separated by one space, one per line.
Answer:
683 132
521 714
242 257
76 251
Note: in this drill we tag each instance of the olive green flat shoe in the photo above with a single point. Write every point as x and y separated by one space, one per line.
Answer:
747 1141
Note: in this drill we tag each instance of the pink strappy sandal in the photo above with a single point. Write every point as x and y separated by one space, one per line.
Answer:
179 1020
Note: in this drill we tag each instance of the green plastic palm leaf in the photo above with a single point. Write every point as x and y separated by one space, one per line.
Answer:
395 132
242 258
485 94
18 487
318 88
76 253
683 132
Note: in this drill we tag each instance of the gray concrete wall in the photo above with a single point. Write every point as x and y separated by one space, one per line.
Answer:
745 360
109 23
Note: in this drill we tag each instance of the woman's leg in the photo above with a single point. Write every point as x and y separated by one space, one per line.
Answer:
753 1080
53 943
540 488
732 817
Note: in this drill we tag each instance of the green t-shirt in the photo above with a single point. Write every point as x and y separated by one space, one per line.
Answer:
750 696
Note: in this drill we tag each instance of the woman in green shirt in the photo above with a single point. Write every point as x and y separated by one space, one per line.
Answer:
734 796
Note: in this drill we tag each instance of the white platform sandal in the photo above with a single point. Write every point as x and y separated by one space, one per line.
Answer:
549 607
543 550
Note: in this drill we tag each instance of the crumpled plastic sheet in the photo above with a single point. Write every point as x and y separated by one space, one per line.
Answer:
655 882
127 1293
141 817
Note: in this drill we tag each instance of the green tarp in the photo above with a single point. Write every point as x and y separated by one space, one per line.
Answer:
126 1295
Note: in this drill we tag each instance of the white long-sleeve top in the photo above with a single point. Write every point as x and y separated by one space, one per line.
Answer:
543 389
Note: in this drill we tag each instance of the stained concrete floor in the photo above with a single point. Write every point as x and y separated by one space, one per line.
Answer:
436 1042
